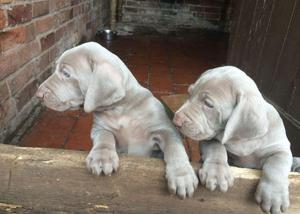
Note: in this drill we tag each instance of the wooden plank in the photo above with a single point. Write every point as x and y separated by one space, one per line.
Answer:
270 53
293 134
252 56
288 64
274 42
35 180
237 7
294 103
242 31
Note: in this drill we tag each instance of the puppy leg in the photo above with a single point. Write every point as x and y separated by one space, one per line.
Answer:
296 164
272 192
215 171
180 175
103 156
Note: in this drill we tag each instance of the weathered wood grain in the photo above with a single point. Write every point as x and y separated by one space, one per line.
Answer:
35 180
264 42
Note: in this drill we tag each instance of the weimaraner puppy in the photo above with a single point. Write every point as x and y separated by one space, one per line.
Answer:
127 117
227 111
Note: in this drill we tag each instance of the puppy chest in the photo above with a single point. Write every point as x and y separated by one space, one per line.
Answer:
130 132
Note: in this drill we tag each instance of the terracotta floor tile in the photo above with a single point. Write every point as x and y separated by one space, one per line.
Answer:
161 83
180 89
141 73
51 130
184 76
79 138
160 68
164 61
137 60
159 94
74 114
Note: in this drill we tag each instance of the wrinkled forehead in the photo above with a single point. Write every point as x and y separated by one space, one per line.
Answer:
218 87
73 57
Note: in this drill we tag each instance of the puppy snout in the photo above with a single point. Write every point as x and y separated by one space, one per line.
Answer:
41 92
178 119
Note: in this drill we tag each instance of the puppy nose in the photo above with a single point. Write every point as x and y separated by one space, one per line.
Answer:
178 120
41 92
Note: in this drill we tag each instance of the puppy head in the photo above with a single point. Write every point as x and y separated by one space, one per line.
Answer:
223 99
82 77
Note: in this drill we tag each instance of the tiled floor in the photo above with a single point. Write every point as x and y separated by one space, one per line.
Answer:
166 64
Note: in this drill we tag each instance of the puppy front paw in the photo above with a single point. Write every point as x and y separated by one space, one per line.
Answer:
273 196
214 175
182 179
102 160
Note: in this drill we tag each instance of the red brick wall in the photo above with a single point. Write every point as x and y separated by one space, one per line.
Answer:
171 14
33 33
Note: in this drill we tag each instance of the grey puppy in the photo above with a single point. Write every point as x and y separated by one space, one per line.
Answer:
227 111
126 115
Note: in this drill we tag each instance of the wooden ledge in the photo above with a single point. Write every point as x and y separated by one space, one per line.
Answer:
37 180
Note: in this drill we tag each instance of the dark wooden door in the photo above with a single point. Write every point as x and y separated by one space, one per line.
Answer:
265 43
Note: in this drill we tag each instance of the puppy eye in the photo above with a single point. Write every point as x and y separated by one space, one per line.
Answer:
65 73
208 103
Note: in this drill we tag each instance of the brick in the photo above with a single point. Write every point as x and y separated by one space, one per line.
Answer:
19 14
24 75
65 16
56 5
59 34
193 1
70 28
25 95
217 3
212 16
197 8
8 64
44 75
75 2
130 10
53 53
47 41
132 3
5 1
77 10
45 24
88 25
43 62
216 10
4 93
20 35
40 8
7 112
2 19
27 52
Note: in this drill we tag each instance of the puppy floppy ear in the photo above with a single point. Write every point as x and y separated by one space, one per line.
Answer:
248 119
105 87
